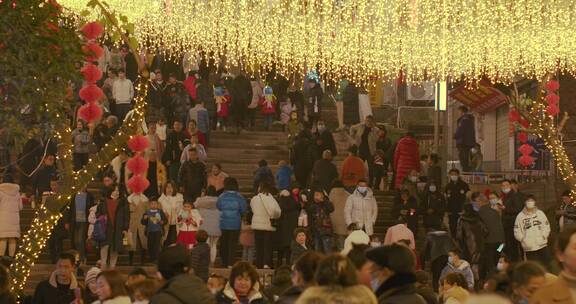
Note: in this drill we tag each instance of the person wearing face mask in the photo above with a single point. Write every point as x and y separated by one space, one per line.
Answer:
325 134
433 206
470 234
495 236
458 265
406 158
455 192
532 229
465 137
476 159
365 136
411 183
567 211
117 213
513 205
406 206
361 208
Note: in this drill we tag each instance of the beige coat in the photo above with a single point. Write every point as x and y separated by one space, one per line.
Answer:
557 292
356 134
138 204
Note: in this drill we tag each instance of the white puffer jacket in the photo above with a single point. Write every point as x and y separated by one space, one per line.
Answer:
10 206
532 229
264 207
362 210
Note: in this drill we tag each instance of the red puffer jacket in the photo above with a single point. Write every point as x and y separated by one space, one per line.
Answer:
406 158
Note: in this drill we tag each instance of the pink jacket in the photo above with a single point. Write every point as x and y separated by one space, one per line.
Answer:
399 232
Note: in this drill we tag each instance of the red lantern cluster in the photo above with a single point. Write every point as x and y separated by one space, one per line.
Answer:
90 92
552 98
138 165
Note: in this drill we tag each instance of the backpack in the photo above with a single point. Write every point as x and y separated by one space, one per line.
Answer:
99 233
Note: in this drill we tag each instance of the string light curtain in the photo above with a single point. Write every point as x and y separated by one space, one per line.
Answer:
363 39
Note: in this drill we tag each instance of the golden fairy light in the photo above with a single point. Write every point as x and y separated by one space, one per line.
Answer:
363 39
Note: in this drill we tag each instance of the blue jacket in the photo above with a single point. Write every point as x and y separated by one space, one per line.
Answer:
284 177
203 122
231 205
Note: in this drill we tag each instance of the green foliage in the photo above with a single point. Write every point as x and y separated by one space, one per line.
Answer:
39 55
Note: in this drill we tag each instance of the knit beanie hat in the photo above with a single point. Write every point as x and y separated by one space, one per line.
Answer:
91 275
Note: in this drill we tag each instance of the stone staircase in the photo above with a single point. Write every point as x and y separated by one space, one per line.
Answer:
239 155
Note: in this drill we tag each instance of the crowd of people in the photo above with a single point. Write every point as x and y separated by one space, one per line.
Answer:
310 221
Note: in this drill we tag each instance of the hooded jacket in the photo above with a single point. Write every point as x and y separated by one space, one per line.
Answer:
231 205
464 269
406 158
465 135
228 296
207 206
290 210
456 295
471 232
532 229
362 210
264 209
399 288
10 206
184 289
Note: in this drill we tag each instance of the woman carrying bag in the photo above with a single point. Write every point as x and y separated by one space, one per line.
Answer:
265 211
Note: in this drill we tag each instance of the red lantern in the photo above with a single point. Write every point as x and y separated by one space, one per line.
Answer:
524 123
93 51
137 165
526 160
90 112
522 137
138 143
90 93
553 110
513 115
91 73
137 184
552 85
552 98
92 30
526 149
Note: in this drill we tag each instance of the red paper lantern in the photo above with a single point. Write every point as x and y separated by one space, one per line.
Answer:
91 73
92 30
138 143
522 137
552 85
513 115
553 110
90 93
90 112
552 98
526 149
137 184
137 165
524 123
93 51
526 160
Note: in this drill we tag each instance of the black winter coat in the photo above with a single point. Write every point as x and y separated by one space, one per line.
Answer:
411 214
465 135
114 230
399 289
319 220
437 203
513 203
351 105
314 101
328 142
325 172
288 220
456 195
200 260
184 289
192 177
471 233
205 93
45 293
173 151
301 161
70 217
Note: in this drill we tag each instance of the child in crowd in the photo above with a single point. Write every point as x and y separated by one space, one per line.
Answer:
216 283
298 246
247 238
293 127
283 175
268 104
143 291
201 256
222 99
189 220
154 220
286 108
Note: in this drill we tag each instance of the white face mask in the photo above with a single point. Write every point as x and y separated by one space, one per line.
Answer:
413 179
453 178
506 190
530 204
432 188
375 244
321 127
494 201
500 266
362 190
473 150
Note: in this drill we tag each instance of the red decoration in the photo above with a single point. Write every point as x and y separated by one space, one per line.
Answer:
526 160
522 137
93 51
553 110
138 143
513 115
92 30
526 149
90 112
53 27
91 93
91 73
137 165
552 85
137 184
552 98
524 123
